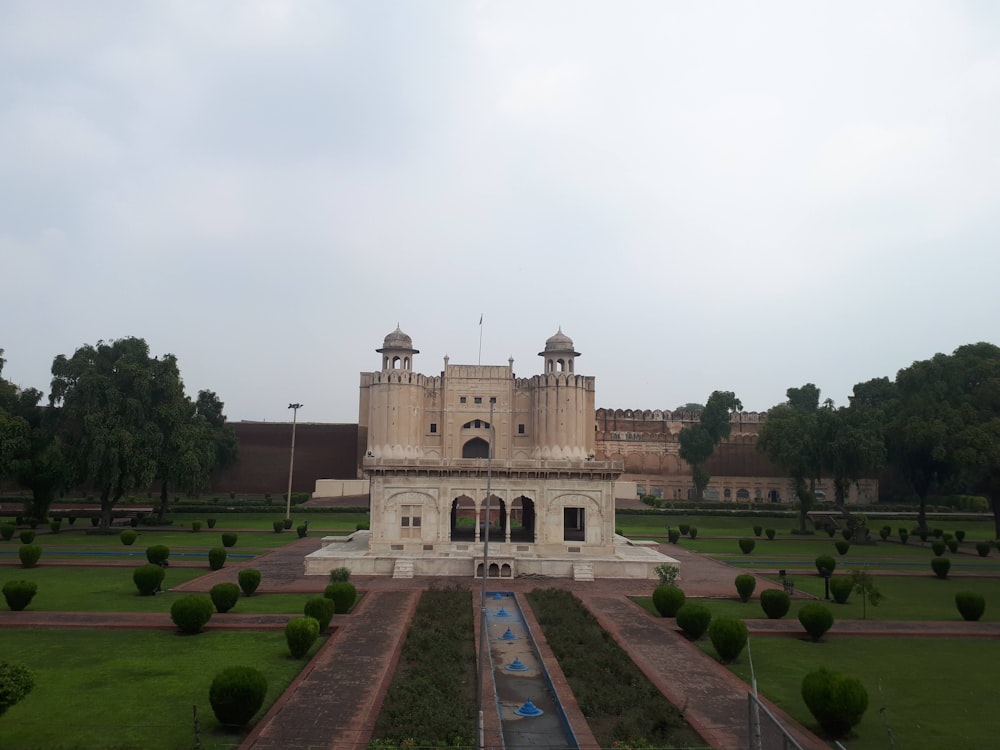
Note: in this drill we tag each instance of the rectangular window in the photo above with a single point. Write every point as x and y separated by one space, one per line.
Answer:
493 399
434 427
574 529
409 521
520 429
461 399
478 399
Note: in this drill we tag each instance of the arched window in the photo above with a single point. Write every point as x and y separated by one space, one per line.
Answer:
476 448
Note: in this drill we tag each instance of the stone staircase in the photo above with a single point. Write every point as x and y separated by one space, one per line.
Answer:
583 571
403 569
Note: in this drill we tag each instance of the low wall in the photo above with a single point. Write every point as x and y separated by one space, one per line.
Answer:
340 487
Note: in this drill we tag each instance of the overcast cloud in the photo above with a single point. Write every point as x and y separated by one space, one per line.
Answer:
705 195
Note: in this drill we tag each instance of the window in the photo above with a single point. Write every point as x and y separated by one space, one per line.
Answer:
409 521
477 399
461 399
493 399
520 429
434 427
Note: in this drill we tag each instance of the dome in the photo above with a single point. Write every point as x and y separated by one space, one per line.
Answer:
396 340
559 342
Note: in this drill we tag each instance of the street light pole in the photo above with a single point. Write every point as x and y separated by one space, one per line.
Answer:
291 463
483 634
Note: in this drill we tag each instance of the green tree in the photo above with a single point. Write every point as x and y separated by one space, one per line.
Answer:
698 441
852 445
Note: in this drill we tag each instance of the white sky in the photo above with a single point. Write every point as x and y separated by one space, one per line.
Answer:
705 195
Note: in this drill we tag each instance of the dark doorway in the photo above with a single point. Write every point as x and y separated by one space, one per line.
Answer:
574 529
476 448
522 520
463 519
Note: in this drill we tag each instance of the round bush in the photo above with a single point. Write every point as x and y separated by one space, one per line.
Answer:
745 584
684 527
216 557
757 530
27 536
128 537
693 619
7 531
775 603
19 594
29 554
237 694
747 544
940 566
983 548
320 609
196 526
816 619
728 636
904 535
884 532
249 579
769 533
667 600
361 526
831 530
842 546
827 563
938 533
211 523
840 588
952 545
847 534
343 595
302 531
191 613
970 605
960 535
148 579
338 575
15 684
278 526
55 525
838 703
229 539
693 532
673 535
300 634
937 548
224 596
157 554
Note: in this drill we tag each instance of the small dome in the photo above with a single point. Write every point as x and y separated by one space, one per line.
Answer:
397 340
559 342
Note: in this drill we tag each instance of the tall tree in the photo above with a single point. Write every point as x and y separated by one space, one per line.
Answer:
698 441
852 445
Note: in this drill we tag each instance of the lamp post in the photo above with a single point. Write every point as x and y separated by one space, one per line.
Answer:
291 463
483 634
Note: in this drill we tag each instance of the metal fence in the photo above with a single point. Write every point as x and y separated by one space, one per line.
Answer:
766 732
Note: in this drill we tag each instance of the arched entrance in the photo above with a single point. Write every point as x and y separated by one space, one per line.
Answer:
497 520
476 448
463 519
522 520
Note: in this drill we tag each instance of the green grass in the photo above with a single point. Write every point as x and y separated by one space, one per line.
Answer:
132 689
936 693
79 589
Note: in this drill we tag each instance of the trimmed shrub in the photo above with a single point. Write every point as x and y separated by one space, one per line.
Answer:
211 523
922 533
29 554
847 534
757 530
938 533
970 604
128 537
196 526
148 578
339 575
745 584
302 531
19 594
320 609
55 525
27 536
15 684
827 563
937 548
191 613
684 527
831 530
693 532
216 557
728 636
940 566
769 533
249 579
747 544
343 595
840 588
816 619
693 619
236 694
837 702
842 546
673 535
952 545
361 526
983 548
278 526
885 532
947 537
300 634
904 535
775 603
7 531
667 600
229 539
287 523
157 554
960 535
224 596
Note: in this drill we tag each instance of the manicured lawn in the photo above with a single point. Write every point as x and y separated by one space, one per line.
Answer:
78 589
935 693
132 689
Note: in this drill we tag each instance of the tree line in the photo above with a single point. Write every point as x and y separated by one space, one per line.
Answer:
936 425
117 420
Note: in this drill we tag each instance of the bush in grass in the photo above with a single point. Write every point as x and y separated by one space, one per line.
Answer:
287 523
237 694
302 531
847 534
947 537
960 535
128 537
831 530
816 619
938 533
922 533
19 594
684 527
191 613
693 532
343 595
904 535
224 596
300 634
321 609
211 523
937 548
952 545
983 548
216 557
940 566
747 544
842 546
15 684
249 579
837 702
196 526
667 600
827 563
775 603
769 533
361 526
157 554
229 539
278 526
339 575
841 587
55 525
758 530
7 531
673 535
27 536
745 584
29 554
728 636
693 619
970 605
885 532
148 578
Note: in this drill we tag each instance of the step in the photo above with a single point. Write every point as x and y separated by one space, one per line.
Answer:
403 569
583 571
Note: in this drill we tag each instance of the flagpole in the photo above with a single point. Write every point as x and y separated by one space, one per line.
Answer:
480 338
